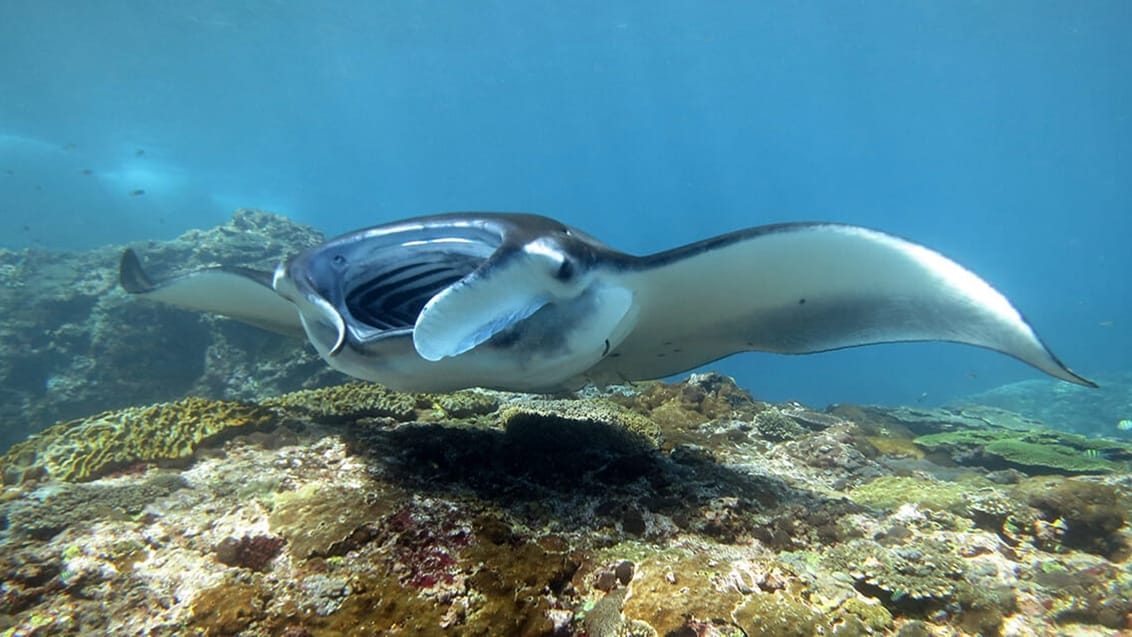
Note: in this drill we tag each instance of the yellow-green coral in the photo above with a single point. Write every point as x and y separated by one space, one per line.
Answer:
774 425
776 615
1048 456
465 404
875 617
890 492
682 405
87 448
588 411
350 401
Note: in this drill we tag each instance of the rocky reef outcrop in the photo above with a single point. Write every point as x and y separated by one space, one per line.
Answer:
673 509
76 344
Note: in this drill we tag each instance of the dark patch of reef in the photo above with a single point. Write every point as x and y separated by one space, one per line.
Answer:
677 509
76 344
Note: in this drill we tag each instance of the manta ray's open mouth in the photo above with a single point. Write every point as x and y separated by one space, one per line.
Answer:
391 295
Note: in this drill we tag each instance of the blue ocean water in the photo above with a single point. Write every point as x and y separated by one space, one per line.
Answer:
999 133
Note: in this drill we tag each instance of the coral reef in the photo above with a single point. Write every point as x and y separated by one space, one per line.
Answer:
76 344
91 447
676 509
1039 450
1067 407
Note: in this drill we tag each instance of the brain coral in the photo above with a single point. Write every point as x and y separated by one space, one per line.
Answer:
87 448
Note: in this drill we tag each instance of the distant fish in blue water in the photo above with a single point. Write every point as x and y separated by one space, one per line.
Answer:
525 303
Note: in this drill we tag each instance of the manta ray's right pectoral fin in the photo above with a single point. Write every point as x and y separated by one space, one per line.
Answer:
242 294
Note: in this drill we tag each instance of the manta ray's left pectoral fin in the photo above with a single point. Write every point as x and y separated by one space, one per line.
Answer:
242 294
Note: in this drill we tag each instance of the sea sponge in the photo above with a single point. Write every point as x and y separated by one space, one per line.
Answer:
87 448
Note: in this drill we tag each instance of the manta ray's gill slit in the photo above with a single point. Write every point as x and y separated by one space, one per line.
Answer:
392 299
410 302
384 305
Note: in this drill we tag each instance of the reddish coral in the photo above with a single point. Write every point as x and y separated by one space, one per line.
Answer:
425 545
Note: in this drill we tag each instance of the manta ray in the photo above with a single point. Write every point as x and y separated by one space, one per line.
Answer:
521 302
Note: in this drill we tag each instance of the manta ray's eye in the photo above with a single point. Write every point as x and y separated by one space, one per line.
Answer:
565 271
339 261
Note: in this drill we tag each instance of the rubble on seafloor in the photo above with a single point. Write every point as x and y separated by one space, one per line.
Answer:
677 509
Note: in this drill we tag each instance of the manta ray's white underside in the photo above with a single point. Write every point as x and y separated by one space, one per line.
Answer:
523 303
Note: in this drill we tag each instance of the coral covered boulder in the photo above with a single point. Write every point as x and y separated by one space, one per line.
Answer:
87 448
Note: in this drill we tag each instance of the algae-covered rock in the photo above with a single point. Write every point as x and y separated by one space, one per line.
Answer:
321 519
59 507
1088 515
87 448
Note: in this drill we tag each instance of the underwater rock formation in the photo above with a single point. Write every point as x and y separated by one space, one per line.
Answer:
673 509
1066 408
74 344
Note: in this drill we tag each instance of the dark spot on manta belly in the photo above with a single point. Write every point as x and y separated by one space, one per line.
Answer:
801 301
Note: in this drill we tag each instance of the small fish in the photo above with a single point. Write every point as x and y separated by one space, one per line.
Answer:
1106 323
1092 453
87 171
139 152
1124 425
137 193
